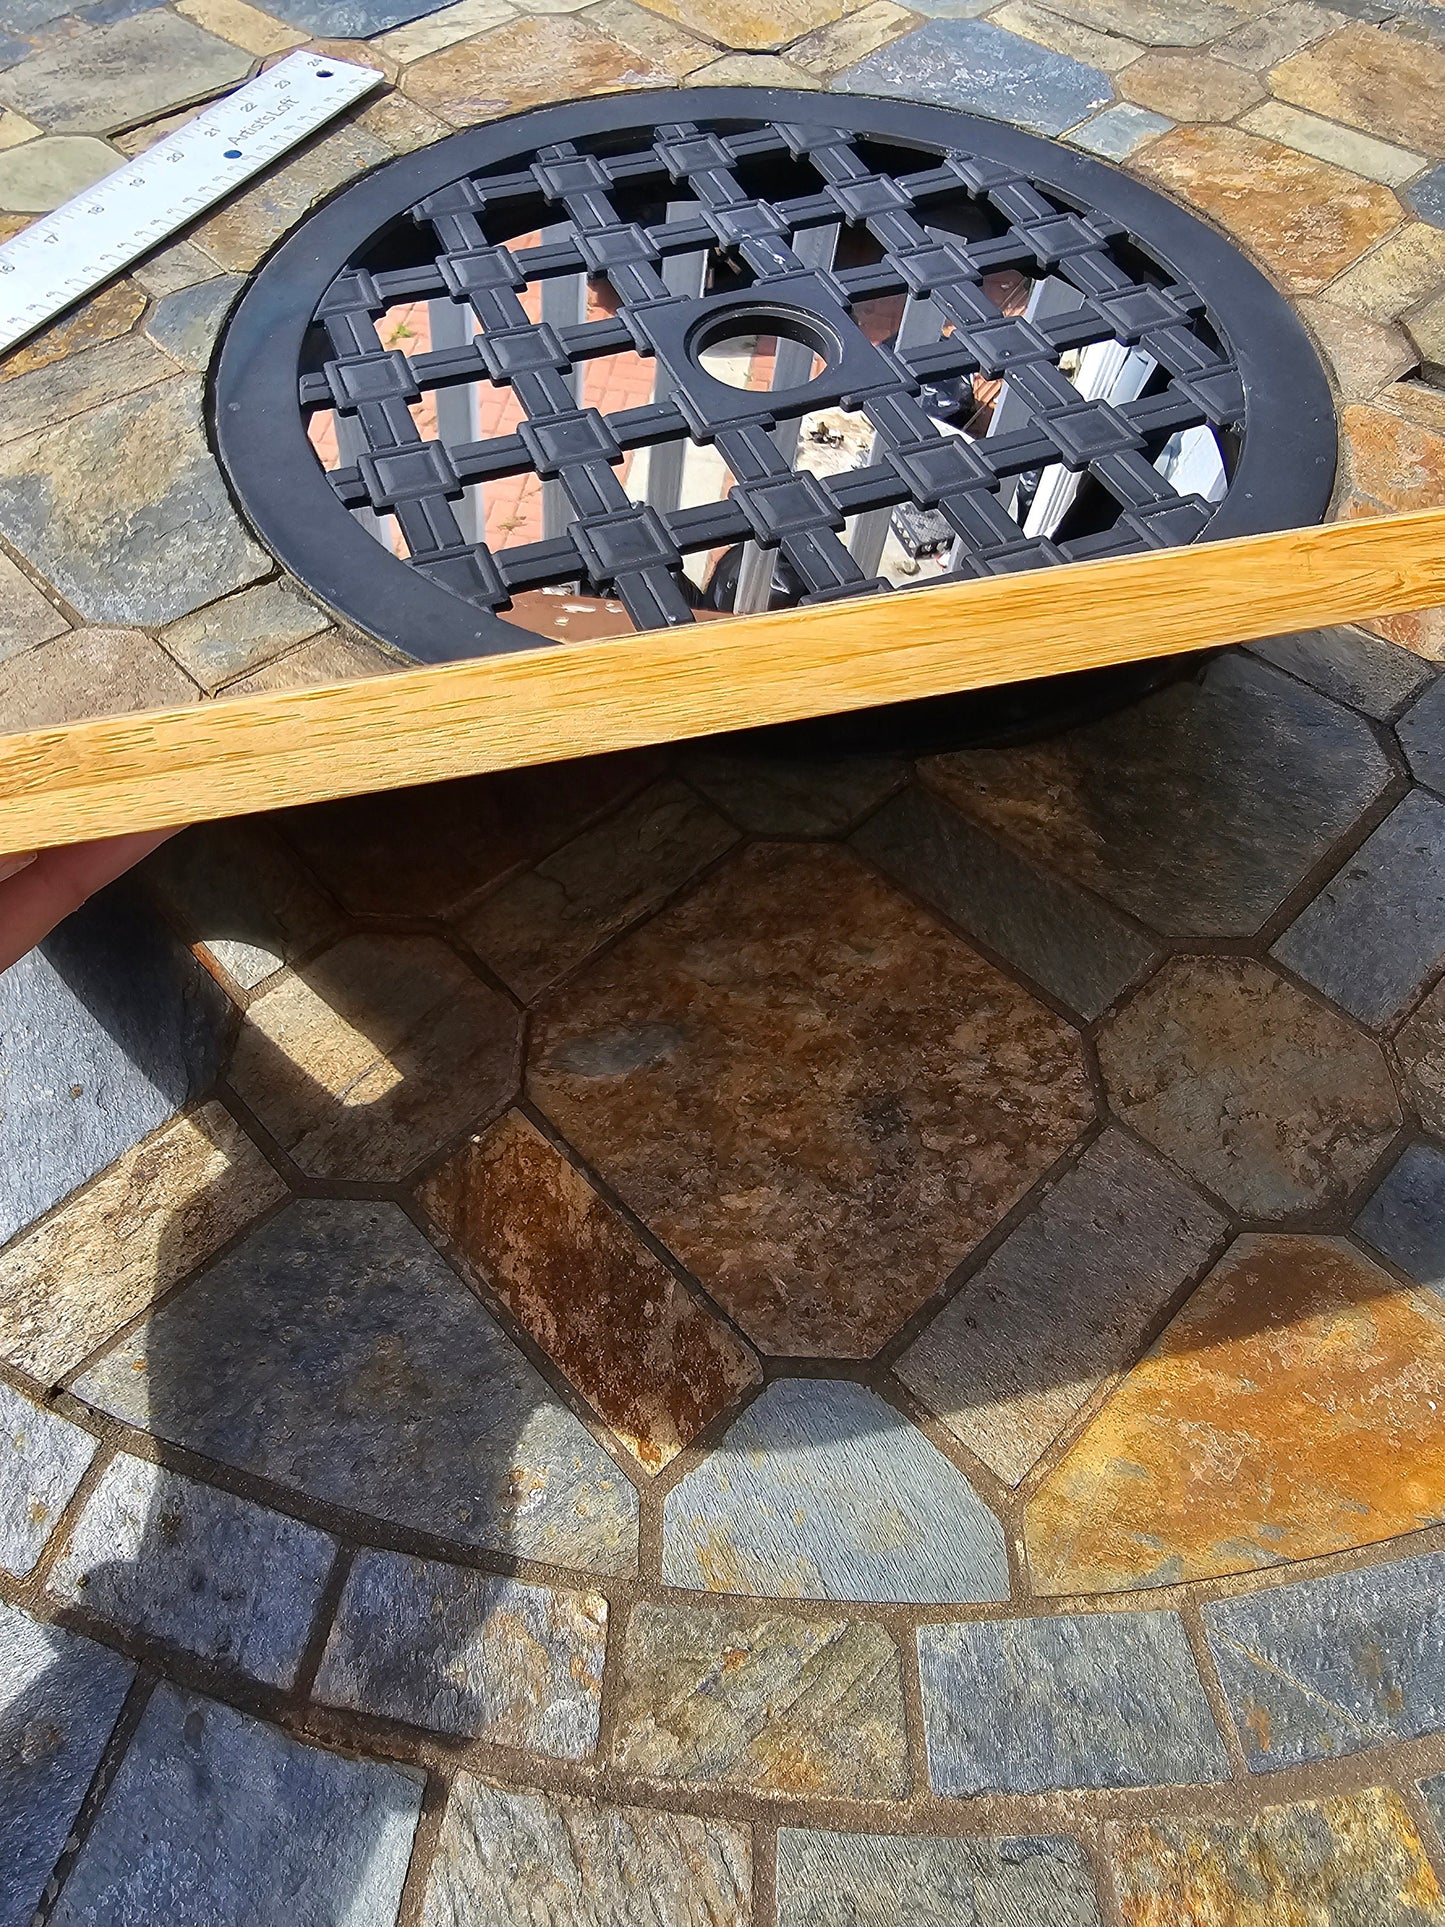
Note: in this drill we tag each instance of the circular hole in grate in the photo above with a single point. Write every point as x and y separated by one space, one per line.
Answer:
623 364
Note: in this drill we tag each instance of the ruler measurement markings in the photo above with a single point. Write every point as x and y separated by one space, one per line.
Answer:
63 255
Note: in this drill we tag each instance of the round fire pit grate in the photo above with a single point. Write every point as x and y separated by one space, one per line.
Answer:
654 358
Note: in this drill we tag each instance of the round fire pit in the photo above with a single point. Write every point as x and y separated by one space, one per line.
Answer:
655 358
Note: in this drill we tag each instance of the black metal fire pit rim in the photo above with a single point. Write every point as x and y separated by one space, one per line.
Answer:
1283 478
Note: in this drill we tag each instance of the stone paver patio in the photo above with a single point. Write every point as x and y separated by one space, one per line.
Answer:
709 1340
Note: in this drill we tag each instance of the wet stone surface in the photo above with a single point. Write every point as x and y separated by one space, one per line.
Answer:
822 1491
335 1353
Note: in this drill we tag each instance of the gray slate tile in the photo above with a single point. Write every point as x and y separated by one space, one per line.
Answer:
124 509
1255 777
463 1652
214 1817
1098 1700
164 1555
539 925
884 1880
1114 134
1421 731
735 1697
1427 196
820 1490
137 70
1065 1301
985 70
775 795
241 633
1377 930
43 1458
334 1352
1324 1667
351 19
187 322
58 390
106 1031
1405 1219
1076 947
60 1697
504 1858
1364 671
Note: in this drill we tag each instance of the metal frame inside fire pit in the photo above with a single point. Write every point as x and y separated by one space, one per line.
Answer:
1148 354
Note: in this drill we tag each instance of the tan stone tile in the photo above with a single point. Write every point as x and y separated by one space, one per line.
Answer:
1305 219
829 49
1423 632
810 1091
113 312
1049 29
1356 1859
1328 141
1189 86
15 128
659 40
244 26
1405 270
752 70
245 228
135 140
1295 1407
401 124
1364 354
26 616
1426 328
100 1259
173 268
1393 461
1261 44
374 1054
1416 402
1385 84
444 29
332 657
518 65
1161 23
650 1360
757 25
58 388
90 672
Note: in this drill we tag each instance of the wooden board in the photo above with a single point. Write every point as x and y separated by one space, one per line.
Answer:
219 759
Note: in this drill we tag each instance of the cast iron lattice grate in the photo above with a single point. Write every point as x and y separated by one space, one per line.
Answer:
1142 386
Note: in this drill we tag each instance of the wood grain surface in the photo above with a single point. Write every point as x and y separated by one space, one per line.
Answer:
219 759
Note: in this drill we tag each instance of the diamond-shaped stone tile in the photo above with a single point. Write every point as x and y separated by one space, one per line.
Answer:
1296 1406
983 69
816 1096
59 1699
773 1702
1356 1860
1064 1302
1269 1099
506 1857
261 1802
821 1491
374 1055
1254 775
335 1353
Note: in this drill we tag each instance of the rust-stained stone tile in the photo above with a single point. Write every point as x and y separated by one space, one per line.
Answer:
1190 86
114 311
648 1358
1272 1101
760 24
1364 354
423 852
1382 82
247 225
1396 462
72 1281
811 1092
1295 1407
1306 219
1354 1861
373 1056
771 1702
54 390
538 925
1400 273
1254 776
518 66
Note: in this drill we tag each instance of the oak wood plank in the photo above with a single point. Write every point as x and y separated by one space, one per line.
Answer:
218 759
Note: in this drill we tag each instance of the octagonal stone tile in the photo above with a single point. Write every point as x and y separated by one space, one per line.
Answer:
1255 776
1295 1407
519 65
1273 1102
383 1050
816 1096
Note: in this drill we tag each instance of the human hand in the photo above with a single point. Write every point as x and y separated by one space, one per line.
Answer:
39 889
